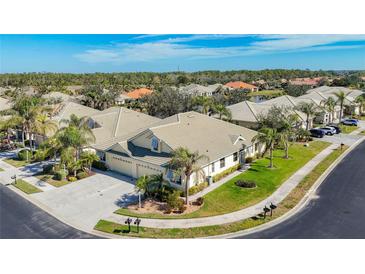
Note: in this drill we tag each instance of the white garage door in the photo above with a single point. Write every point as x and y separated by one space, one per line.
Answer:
146 170
121 165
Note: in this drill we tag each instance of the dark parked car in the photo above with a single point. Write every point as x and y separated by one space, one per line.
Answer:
337 128
316 132
350 122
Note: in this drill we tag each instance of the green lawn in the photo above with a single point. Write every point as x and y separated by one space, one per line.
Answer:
229 197
287 204
26 187
49 179
16 162
362 132
348 129
274 92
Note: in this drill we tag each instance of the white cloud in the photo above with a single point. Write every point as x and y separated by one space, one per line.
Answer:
175 48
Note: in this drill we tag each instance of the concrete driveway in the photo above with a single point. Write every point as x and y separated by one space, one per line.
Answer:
85 202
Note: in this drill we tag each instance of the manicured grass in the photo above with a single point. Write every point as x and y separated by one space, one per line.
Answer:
49 179
26 187
16 162
348 129
287 204
362 132
229 197
275 92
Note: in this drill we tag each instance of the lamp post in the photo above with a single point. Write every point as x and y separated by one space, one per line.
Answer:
137 222
128 222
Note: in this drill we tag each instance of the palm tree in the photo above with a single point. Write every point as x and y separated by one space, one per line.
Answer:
341 97
7 125
361 102
310 109
329 105
287 132
222 111
268 136
43 126
187 163
204 102
88 158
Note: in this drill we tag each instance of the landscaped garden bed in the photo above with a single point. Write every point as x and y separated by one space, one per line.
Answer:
23 158
26 187
229 197
286 205
57 177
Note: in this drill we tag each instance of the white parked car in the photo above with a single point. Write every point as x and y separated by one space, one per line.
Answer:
328 130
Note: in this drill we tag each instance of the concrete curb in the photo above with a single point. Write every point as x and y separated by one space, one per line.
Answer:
302 203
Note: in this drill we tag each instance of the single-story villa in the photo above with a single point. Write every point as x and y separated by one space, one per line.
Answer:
247 113
199 90
139 93
148 151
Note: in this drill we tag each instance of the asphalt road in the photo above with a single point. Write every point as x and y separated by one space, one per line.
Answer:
338 210
20 219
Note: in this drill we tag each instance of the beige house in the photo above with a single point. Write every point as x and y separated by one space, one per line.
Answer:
248 113
5 104
148 151
199 90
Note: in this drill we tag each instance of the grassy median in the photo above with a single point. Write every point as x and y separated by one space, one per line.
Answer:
287 204
26 187
229 197
15 162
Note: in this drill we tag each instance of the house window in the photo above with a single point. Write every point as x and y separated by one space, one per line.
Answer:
213 169
154 144
235 157
222 162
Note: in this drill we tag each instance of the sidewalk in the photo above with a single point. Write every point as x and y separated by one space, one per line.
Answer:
245 213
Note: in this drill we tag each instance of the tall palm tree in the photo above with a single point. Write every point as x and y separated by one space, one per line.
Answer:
310 109
222 111
268 136
44 126
88 158
329 104
360 101
187 163
204 102
341 97
287 132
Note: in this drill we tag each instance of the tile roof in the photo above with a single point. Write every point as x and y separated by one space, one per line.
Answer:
138 93
240 85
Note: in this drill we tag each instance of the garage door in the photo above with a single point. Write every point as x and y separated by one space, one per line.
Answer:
146 170
121 165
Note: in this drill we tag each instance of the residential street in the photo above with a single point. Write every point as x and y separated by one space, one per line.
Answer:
338 210
20 219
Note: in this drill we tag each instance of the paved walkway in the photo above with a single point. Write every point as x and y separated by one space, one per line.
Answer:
275 198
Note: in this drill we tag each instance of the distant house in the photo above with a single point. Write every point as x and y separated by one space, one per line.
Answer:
241 85
313 82
122 99
199 90
139 93
5 104
247 113
325 92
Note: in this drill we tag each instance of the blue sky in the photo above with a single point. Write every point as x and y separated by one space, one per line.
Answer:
125 53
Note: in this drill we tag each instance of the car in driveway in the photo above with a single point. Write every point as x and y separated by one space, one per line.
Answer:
350 122
337 128
328 130
316 132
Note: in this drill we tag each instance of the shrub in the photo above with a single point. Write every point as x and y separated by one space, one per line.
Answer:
199 201
245 184
24 154
249 160
174 201
48 169
72 179
225 173
197 188
60 175
99 165
163 194
82 175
